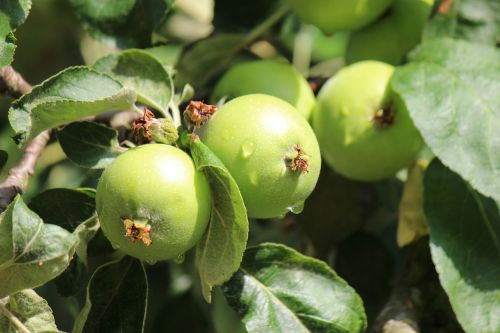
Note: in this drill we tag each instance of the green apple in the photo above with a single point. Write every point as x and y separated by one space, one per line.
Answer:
338 15
362 126
390 38
267 77
323 47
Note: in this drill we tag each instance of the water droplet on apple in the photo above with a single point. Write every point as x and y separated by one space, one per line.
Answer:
247 149
297 208
180 258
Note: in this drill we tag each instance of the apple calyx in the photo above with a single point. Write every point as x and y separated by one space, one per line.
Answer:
198 113
137 230
384 117
298 160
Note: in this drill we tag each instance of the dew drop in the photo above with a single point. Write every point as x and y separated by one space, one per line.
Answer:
180 258
115 246
247 149
297 208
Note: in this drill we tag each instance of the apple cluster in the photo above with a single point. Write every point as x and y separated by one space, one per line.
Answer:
272 133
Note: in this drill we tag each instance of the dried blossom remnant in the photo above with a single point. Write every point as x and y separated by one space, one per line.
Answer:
384 117
137 231
198 113
140 127
148 128
298 160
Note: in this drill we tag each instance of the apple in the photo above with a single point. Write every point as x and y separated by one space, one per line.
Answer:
363 128
267 77
390 38
338 15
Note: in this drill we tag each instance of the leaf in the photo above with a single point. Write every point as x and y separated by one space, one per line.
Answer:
64 207
90 145
411 224
130 22
474 20
451 91
142 72
278 289
70 95
116 298
31 310
464 229
3 158
13 13
31 252
7 49
220 251
84 233
207 58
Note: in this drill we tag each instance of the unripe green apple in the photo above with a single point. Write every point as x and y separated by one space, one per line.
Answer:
152 203
269 149
323 47
338 15
270 78
363 128
390 38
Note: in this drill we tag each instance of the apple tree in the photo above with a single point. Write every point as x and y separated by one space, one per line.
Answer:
221 166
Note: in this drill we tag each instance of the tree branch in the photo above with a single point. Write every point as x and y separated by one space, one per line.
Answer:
16 182
403 311
12 83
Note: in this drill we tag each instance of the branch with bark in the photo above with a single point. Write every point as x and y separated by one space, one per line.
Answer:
404 309
13 84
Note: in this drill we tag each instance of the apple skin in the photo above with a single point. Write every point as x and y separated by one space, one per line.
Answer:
351 141
267 77
338 15
390 38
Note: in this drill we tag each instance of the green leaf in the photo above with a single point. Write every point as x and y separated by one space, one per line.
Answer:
142 72
13 13
84 233
130 22
167 55
464 231
64 207
220 251
474 20
116 298
90 145
31 252
70 95
208 58
451 91
278 289
3 158
72 209
7 49
32 311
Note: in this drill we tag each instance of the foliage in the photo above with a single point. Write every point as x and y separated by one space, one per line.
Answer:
346 264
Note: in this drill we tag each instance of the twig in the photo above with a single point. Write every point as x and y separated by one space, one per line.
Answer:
13 319
17 180
404 309
12 83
